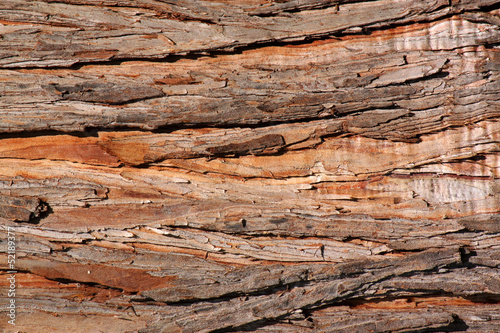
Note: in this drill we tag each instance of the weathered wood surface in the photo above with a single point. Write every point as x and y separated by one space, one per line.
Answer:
267 166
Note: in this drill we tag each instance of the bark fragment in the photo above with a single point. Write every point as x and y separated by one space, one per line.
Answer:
21 209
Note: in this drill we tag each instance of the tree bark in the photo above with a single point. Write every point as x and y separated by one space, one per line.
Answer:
234 166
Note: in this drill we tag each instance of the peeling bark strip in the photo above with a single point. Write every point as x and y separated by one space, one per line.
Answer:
264 166
416 74
101 33
267 144
106 93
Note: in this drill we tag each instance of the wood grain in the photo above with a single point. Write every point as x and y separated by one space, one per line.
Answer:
265 166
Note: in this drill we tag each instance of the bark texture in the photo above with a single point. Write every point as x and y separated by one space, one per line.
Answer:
268 166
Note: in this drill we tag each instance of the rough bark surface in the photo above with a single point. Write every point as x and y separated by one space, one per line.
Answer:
235 166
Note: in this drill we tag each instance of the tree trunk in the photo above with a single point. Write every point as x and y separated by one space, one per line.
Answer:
233 166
